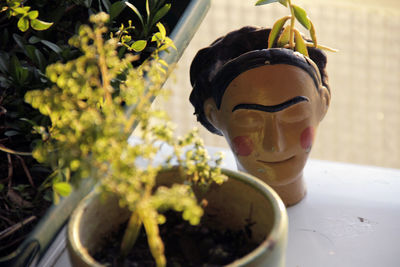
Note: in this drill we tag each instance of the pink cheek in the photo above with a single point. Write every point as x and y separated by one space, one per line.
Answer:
307 138
242 145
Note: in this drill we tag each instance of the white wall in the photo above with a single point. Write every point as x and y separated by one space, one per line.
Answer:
363 122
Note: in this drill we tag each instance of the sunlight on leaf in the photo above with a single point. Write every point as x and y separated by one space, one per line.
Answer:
284 37
300 43
276 29
23 24
301 16
313 34
40 25
139 45
136 11
265 2
62 188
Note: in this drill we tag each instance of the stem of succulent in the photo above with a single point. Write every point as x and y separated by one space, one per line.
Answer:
130 236
292 21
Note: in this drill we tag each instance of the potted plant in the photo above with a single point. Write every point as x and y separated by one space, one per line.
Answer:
265 90
34 36
94 102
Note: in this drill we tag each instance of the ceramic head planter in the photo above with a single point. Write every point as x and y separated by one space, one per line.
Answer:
267 103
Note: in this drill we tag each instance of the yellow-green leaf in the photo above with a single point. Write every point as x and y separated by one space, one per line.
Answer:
276 29
300 43
62 188
301 16
23 24
161 29
265 2
40 25
313 34
284 37
139 45
33 14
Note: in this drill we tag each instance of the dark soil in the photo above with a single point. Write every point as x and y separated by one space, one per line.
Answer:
185 245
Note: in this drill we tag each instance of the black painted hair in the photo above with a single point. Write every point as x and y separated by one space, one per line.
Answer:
215 66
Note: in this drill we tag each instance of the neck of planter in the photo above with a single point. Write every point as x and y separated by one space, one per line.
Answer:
292 193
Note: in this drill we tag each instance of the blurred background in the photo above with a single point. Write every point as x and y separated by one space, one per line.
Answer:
363 122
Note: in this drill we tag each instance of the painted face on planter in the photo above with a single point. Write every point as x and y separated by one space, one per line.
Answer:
269 116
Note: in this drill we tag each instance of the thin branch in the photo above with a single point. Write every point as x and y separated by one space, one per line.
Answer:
10 151
28 174
12 229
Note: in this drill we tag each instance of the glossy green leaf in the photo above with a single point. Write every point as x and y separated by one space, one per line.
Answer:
160 14
52 46
116 9
139 45
23 24
33 14
21 10
265 2
4 61
62 188
15 65
300 43
301 16
11 133
162 30
148 11
276 29
107 5
136 11
40 25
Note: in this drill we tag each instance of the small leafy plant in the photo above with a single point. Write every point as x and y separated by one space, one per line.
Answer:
34 35
288 36
93 104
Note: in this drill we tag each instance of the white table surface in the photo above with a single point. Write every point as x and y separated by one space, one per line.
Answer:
350 217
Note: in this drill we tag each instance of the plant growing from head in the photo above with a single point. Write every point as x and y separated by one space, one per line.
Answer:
288 36
94 102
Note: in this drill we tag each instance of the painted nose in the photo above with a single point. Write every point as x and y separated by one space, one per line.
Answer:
274 138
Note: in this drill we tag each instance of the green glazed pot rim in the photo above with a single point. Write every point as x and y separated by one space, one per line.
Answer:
279 227
280 224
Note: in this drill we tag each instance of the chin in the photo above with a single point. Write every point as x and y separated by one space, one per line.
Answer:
277 173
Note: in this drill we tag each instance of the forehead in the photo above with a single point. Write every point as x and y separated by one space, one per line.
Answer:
269 85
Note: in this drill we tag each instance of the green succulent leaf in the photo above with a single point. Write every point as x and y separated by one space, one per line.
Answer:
313 34
276 29
301 16
265 2
40 25
284 37
301 45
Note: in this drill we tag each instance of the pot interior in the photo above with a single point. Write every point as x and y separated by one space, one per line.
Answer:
237 205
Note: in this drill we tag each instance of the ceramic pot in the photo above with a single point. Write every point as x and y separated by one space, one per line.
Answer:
230 205
184 19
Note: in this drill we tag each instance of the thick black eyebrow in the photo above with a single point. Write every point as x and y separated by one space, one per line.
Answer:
274 108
